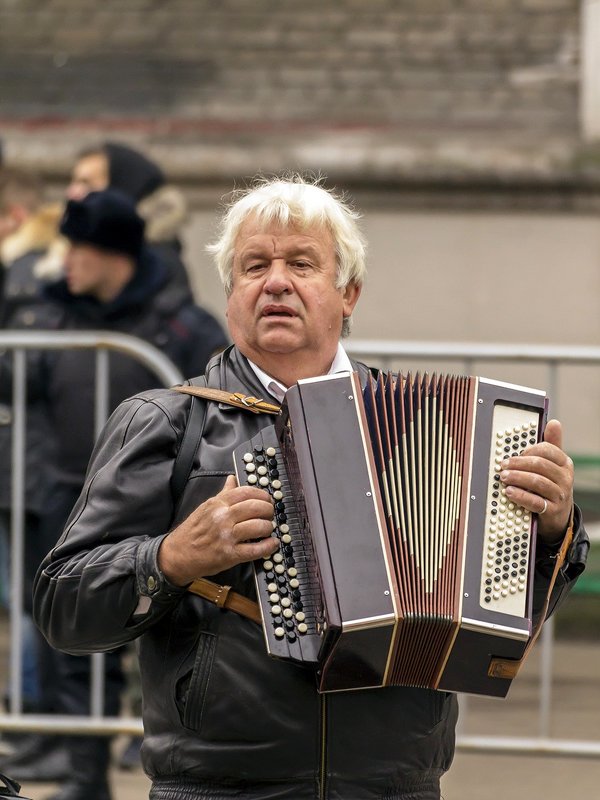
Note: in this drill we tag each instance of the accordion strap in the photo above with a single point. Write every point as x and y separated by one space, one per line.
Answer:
254 404
509 667
224 597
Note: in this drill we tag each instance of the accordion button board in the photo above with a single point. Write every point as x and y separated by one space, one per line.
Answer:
508 526
286 589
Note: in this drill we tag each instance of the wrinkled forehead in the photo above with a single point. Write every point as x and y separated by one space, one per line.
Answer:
255 232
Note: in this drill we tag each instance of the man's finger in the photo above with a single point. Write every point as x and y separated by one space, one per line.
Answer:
230 482
553 433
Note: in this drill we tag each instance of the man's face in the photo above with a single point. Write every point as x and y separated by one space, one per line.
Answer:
90 174
88 271
284 312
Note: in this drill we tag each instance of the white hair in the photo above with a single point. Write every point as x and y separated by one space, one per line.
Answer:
296 202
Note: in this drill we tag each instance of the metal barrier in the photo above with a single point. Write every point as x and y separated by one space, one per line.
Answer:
103 343
383 353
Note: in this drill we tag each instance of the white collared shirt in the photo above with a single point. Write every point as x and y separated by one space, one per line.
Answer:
340 363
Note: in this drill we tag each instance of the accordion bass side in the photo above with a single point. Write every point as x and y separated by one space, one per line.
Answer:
401 560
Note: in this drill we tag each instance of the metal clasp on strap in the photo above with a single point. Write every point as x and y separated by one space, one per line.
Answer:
248 400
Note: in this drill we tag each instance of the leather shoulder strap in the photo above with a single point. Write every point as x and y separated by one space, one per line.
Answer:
254 404
194 428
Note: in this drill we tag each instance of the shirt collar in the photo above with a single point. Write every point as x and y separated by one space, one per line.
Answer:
340 363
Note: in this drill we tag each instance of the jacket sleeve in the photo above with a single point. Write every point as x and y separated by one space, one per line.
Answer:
571 569
90 587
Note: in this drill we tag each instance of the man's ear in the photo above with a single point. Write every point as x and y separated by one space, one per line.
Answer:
351 295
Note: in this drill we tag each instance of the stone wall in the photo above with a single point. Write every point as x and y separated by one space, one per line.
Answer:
387 92
449 63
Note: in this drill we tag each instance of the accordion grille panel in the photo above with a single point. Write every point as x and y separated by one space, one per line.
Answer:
420 432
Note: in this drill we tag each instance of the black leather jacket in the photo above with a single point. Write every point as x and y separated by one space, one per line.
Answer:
222 719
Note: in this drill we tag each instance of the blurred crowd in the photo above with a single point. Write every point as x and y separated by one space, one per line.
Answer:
109 256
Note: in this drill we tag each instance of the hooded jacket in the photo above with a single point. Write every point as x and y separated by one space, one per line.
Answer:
150 308
221 718
160 204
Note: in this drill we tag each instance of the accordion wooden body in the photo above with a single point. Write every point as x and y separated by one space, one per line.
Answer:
401 560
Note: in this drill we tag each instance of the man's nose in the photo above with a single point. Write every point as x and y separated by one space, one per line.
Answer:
278 278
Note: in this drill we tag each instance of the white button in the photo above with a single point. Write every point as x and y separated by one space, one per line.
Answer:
286 538
300 616
271 587
249 467
292 572
284 528
273 598
268 564
277 495
302 627
262 470
294 583
276 484
286 602
279 633
263 481
252 479
288 613
275 610
280 569
278 558
247 457
270 451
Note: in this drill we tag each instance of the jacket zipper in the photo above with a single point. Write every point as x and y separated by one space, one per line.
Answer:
323 750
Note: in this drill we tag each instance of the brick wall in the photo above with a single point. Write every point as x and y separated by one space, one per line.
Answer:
418 64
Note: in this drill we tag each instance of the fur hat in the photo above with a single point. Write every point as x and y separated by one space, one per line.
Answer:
107 220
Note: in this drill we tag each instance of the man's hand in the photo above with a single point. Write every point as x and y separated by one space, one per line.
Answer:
541 480
233 527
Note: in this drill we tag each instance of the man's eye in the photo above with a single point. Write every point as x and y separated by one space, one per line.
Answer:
301 264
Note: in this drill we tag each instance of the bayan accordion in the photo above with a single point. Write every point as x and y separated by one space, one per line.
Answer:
401 560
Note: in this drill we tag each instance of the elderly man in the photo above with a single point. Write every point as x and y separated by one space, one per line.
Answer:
222 719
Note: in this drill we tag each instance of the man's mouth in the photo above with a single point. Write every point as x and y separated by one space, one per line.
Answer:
278 311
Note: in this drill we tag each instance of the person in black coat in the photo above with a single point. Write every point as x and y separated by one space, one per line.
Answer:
221 718
112 281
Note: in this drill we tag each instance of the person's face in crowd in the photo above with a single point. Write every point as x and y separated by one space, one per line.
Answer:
284 311
90 174
95 272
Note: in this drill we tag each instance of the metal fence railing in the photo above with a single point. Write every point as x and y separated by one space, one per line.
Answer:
19 342
386 354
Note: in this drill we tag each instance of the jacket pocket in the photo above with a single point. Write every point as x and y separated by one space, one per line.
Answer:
190 692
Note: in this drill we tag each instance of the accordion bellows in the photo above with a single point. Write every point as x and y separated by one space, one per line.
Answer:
401 560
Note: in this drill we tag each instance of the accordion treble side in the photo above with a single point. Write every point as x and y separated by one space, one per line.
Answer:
401 560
